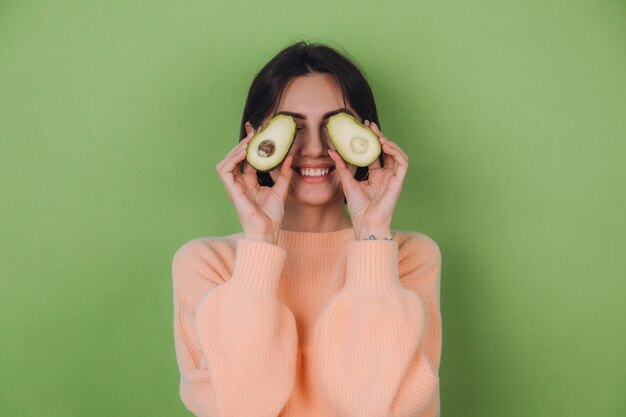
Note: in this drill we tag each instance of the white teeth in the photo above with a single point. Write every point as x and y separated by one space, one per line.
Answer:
314 172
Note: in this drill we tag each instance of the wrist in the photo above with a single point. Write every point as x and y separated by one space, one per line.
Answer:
382 233
265 236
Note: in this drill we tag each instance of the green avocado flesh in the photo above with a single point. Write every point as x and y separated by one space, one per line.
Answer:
356 143
270 144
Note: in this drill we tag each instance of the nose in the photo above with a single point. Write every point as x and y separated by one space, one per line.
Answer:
313 143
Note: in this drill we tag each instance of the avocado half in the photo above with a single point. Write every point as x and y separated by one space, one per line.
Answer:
270 144
356 143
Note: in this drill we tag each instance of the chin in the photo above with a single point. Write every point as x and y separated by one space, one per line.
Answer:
315 198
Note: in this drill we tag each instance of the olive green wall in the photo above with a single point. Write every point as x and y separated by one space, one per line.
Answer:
114 114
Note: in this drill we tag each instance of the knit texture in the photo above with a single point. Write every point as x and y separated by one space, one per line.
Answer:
318 325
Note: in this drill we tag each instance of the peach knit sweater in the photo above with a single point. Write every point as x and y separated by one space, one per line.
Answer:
318 325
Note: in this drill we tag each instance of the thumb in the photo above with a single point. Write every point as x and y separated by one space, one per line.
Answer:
347 181
282 182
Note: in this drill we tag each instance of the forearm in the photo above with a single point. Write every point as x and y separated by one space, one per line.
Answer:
370 339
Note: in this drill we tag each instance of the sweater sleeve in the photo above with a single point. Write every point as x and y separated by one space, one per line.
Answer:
236 343
377 341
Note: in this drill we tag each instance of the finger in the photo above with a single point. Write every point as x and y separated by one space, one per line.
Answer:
241 146
235 183
247 168
369 124
247 174
231 162
376 163
243 143
393 145
399 161
233 187
284 178
388 144
235 151
376 130
393 149
390 162
345 176
395 159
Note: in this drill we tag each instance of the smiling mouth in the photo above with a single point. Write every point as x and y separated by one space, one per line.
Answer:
314 172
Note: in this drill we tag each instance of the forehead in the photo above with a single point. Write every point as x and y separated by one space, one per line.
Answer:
313 94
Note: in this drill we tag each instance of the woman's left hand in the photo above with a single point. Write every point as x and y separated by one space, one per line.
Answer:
371 202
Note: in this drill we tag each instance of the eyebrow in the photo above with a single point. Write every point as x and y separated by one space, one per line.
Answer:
326 115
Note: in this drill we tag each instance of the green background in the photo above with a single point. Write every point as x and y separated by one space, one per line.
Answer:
113 115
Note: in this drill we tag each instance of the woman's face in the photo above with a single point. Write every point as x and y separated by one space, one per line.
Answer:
310 99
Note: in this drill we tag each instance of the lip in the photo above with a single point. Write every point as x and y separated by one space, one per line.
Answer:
317 179
308 165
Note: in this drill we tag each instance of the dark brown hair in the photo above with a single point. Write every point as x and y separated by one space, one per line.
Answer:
298 59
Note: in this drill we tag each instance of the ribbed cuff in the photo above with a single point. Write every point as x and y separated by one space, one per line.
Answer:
258 266
372 264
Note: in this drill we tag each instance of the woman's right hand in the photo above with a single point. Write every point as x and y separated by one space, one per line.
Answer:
260 208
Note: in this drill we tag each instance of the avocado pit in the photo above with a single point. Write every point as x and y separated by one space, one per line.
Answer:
359 145
266 148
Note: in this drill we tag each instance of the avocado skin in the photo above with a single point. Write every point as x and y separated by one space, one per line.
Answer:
253 146
339 146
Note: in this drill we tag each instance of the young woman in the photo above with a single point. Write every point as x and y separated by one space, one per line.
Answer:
317 308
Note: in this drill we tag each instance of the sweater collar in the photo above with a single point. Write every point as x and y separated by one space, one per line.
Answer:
318 240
